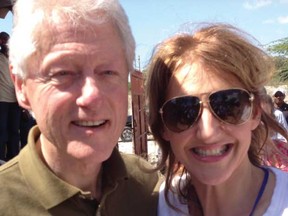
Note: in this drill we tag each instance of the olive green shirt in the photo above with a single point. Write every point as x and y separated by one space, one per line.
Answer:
28 187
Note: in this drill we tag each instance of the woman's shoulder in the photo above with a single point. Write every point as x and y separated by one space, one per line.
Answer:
173 194
281 176
279 200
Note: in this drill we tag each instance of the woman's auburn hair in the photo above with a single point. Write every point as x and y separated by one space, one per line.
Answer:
221 49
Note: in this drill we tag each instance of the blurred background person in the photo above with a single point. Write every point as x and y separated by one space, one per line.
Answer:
279 100
4 37
275 155
9 108
27 121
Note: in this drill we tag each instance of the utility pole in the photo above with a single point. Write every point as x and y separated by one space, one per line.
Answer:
139 62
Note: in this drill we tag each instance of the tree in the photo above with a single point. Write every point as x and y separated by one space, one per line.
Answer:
279 47
279 50
282 67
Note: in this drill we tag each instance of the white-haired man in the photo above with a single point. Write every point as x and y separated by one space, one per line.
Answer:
70 61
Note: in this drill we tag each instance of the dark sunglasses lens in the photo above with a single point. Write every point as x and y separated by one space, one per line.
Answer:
231 106
181 113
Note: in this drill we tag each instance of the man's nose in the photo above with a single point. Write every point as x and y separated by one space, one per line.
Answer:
90 91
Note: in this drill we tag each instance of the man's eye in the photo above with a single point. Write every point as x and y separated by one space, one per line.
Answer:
62 77
61 73
109 72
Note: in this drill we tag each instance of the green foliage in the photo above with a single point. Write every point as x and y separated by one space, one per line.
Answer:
281 64
279 47
279 50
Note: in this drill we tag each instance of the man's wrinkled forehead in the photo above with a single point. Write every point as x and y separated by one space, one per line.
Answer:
65 33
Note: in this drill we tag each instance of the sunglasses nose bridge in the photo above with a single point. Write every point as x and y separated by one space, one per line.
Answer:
205 104
208 123
212 113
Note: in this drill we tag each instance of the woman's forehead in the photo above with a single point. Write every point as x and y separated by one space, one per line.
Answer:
196 79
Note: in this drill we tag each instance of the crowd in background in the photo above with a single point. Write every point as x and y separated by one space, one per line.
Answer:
15 122
277 107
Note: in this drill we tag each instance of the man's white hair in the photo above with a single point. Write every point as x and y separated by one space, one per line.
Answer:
33 20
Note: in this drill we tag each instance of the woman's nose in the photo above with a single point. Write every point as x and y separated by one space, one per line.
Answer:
208 125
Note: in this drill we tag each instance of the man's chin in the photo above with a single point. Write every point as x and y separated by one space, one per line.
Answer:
86 152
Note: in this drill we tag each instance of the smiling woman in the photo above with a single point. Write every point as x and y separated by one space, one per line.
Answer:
204 94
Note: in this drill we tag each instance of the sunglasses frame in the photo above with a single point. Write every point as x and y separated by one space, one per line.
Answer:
201 102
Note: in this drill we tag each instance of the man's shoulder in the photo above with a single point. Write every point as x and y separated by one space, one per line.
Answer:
9 168
136 165
10 176
18 197
11 185
278 112
137 187
142 171
284 107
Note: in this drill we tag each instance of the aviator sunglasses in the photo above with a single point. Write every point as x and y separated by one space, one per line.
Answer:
230 106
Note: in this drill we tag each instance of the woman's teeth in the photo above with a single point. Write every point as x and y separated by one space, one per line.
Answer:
211 152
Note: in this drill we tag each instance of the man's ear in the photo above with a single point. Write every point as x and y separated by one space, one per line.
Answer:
20 89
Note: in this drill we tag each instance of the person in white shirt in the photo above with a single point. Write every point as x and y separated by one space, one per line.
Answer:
280 141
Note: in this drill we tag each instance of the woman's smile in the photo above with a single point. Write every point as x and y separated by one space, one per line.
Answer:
211 154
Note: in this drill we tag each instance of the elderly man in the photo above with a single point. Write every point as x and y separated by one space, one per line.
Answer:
70 61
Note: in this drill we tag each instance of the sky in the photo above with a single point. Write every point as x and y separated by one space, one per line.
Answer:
154 20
